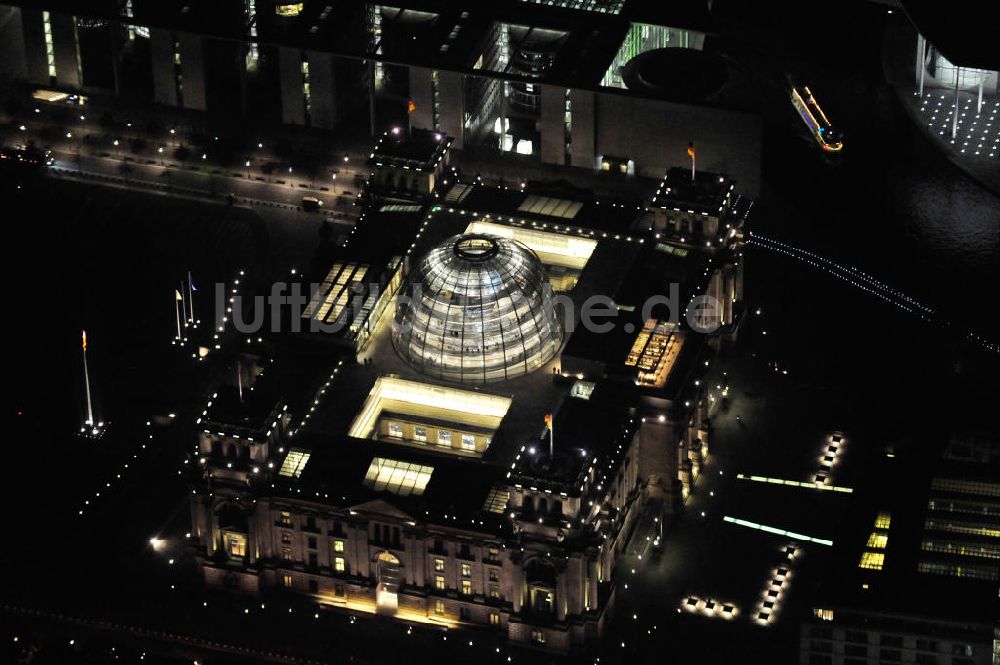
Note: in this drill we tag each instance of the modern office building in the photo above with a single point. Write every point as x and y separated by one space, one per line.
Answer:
461 464
916 576
607 86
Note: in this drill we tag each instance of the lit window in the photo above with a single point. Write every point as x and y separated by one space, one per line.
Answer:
494 575
467 587
49 49
439 565
286 553
288 8
444 438
468 442
466 570
538 636
400 478
883 520
420 434
286 518
338 546
396 430
824 615
495 591
496 502
439 583
582 389
439 607
872 560
294 463
339 564
494 618
877 541
236 544
286 581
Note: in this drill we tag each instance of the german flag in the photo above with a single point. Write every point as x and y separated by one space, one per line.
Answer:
548 421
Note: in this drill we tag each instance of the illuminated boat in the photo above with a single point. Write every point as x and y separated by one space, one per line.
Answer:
811 114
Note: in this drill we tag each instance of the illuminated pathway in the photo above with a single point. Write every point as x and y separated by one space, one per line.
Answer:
865 282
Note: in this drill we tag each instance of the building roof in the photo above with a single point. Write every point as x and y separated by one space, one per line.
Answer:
419 149
431 33
901 492
335 473
707 194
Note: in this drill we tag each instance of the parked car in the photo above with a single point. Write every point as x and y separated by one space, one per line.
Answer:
311 203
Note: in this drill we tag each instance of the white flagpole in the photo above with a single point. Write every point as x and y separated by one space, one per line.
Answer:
239 379
191 295
184 304
552 437
177 310
86 381
692 168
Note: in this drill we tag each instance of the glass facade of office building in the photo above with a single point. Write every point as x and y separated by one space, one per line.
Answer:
477 309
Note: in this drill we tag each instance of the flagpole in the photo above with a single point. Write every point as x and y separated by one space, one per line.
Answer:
86 382
552 439
191 296
692 168
177 310
184 304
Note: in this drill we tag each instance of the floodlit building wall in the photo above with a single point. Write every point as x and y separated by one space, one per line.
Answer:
161 48
293 108
582 150
34 47
550 123
422 96
192 70
656 134
323 95
67 51
13 49
452 106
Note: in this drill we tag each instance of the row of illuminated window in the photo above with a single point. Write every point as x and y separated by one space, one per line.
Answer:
381 534
981 488
440 610
338 563
49 48
822 636
985 529
465 586
971 571
424 434
285 519
961 548
873 557
969 507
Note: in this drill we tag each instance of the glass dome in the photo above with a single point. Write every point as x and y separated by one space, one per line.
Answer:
477 309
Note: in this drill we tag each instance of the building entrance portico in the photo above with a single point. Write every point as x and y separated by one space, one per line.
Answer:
390 575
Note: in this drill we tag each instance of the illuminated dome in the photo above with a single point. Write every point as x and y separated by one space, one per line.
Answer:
477 309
